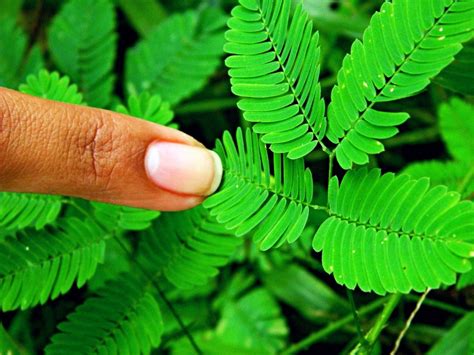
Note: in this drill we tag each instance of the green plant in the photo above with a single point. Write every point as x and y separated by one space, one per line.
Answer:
141 280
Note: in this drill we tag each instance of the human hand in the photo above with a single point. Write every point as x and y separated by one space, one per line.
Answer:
55 148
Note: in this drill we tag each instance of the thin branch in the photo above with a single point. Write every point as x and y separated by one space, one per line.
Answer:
151 279
165 299
362 339
331 328
408 322
375 331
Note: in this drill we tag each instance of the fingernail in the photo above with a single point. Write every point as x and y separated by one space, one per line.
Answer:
183 169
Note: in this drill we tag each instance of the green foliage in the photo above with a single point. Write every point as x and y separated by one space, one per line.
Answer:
457 129
51 86
459 75
466 280
144 15
196 245
20 61
456 175
394 234
10 9
251 325
123 318
177 58
298 288
82 41
459 340
397 58
114 217
7 344
189 277
274 66
18 211
274 208
149 107
37 268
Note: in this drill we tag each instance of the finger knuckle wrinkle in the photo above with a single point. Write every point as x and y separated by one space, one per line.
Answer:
98 151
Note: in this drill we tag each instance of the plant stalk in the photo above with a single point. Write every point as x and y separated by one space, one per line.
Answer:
332 328
375 331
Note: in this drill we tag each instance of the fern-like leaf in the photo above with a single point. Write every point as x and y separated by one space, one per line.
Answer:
456 123
124 318
406 44
15 62
188 247
177 58
275 209
456 175
395 234
459 75
252 324
148 107
114 217
51 86
44 266
18 211
83 42
274 66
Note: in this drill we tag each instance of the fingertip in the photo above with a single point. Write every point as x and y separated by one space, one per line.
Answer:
183 169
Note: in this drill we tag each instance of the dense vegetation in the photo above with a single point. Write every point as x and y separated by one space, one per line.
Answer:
345 221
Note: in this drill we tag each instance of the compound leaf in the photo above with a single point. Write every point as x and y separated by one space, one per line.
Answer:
123 318
396 59
83 44
188 247
16 62
274 67
395 234
274 208
456 175
148 107
37 268
114 217
177 58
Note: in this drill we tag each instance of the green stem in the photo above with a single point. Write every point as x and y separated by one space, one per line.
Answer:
206 106
362 339
375 331
163 296
332 328
408 322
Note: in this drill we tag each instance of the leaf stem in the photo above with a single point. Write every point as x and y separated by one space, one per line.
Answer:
375 331
360 334
165 299
408 322
332 328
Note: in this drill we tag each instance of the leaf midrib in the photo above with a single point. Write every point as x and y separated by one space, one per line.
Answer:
397 71
289 82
